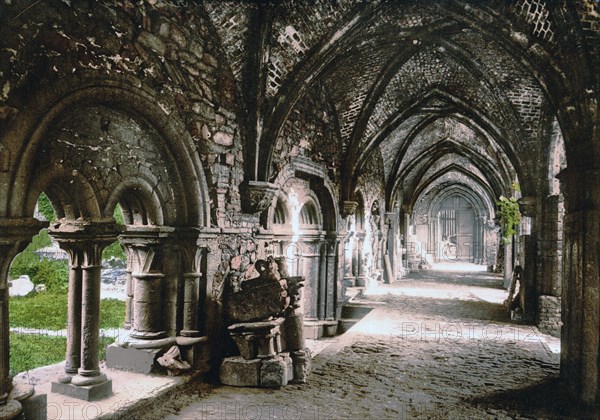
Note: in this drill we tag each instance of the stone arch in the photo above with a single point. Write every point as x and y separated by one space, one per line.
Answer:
311 213
72 196
482 212
141 205
131 98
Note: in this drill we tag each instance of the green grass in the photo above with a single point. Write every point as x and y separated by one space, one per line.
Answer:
29 351
49 311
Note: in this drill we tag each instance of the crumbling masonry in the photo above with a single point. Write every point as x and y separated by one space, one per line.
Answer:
357 139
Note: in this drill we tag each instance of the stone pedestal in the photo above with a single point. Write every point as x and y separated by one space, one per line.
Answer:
258 339
263 362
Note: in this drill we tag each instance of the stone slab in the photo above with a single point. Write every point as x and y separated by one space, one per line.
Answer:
131 359
237 371
87 393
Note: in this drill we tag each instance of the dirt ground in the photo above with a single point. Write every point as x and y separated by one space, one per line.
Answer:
438 345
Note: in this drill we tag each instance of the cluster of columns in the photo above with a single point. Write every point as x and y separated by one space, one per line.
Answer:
385 254
166 288
84 242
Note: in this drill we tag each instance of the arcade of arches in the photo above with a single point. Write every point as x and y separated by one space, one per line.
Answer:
358 139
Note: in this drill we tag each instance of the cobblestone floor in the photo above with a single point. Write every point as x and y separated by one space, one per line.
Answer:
442 347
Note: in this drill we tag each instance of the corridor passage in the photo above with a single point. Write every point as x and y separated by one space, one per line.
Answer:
437 345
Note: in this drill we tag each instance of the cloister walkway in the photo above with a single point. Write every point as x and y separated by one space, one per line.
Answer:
437 345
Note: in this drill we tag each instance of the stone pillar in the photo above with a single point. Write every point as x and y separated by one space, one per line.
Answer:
14 236
84 240
322 281
549 265
580 337
129 293
333 258
172 285
391 223
361 279
191 289
146 247
508 267
73 362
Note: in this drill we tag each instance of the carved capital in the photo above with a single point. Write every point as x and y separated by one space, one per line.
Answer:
144 245
257 195
15 234
390 217
528 206
349 208
84 240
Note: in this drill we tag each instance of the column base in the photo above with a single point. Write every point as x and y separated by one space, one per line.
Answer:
84 392
11 410
131 359
34 406
361 281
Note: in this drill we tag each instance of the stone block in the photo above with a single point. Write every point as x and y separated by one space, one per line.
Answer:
273 372
35 407
312 331
131 359
302 364
237 371
87 393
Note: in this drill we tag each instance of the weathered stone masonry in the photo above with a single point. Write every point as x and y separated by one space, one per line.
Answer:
332 134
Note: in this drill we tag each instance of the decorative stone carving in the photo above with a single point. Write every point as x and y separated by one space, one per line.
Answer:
527 206
257 195
173 362
349 208
260 297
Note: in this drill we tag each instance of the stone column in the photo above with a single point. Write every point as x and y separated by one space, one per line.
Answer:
333 255
580 338
322 281
89 372
146 247
129 292
84 240
361 279
192 276
73 362
14 236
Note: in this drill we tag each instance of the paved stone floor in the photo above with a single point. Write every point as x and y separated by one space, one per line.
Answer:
440 347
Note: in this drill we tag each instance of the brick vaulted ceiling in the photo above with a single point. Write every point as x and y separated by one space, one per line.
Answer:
436 84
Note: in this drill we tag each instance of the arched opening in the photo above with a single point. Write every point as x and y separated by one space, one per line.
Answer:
39 278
